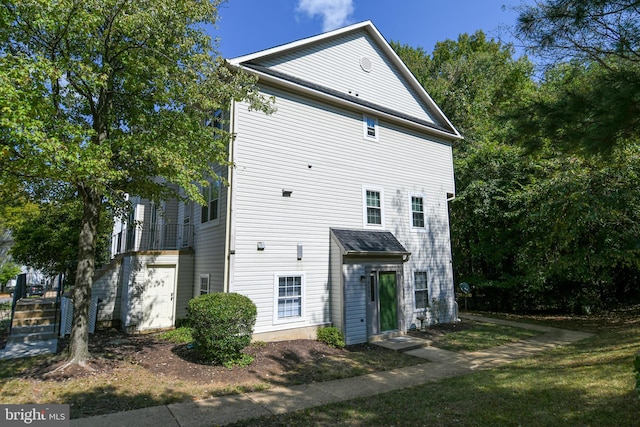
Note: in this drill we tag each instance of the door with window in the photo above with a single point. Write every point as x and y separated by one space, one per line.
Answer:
382 302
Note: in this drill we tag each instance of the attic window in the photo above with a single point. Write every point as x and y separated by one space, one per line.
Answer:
370 127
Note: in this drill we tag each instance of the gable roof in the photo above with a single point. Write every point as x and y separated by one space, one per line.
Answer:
277 65
365 242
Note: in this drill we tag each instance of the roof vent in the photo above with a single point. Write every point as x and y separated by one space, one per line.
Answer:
365 64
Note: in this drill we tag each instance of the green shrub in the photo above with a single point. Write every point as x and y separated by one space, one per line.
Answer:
222 326
331 336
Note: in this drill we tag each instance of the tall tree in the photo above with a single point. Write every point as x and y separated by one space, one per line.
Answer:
477 81
595 45
104 96
593 30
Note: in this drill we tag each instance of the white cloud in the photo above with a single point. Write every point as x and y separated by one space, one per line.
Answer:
334 13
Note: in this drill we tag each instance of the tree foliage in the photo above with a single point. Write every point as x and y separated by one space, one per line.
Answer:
540 222
8 270
47 238
103 97
590 30
594 48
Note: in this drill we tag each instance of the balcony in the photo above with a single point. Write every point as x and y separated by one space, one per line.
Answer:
154 237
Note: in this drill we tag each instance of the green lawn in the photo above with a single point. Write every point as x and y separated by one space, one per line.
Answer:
590 383
482 336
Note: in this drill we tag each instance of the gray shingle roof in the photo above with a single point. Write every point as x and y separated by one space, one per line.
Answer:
365 242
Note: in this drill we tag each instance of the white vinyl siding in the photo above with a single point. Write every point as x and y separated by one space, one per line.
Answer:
209 244
276 152
383 85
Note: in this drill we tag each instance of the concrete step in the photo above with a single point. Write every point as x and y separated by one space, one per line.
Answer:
22 330
34 314
31 338
403 343
39 321
36 304
17 350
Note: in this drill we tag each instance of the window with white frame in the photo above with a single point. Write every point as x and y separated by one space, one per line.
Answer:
417 211
421 286
373 206
204 284
370 127
211 208
289 295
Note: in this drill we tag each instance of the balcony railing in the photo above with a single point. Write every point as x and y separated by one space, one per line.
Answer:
152 237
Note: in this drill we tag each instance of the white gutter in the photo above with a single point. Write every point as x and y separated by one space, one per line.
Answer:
350 105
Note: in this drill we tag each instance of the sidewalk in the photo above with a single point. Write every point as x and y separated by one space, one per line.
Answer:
280 400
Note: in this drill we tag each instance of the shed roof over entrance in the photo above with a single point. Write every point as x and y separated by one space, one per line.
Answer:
365 242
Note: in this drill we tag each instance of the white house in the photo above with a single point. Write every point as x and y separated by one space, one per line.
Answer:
336 210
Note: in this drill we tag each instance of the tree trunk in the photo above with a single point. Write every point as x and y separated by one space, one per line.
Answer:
78 352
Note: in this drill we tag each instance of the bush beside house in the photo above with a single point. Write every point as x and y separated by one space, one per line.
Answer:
222 326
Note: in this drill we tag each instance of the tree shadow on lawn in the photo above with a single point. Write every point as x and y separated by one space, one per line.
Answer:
108 399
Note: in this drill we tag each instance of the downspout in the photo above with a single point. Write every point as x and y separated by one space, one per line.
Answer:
229 252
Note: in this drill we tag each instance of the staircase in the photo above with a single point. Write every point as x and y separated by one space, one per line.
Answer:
33 330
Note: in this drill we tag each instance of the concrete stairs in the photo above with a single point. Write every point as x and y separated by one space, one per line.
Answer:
33 330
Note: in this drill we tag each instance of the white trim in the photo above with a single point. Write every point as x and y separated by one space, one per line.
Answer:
380 190
276 286
424 212
384 46
365 128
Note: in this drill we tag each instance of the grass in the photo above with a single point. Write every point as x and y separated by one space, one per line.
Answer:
181 335
482 336
589 383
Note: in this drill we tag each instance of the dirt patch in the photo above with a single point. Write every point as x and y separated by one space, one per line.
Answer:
273 362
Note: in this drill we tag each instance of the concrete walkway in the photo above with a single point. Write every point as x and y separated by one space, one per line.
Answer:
280 400
16 350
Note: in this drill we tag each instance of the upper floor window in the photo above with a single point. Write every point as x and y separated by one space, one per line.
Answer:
211 208
373 206
370 127
417 211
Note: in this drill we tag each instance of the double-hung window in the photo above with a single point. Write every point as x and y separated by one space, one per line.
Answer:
370 127
373 206
421 286
417 212
204 284
211 207
374 210
289 296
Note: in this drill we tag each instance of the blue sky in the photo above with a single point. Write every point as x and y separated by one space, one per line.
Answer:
247 26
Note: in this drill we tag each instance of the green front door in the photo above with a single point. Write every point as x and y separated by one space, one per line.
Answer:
388 301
